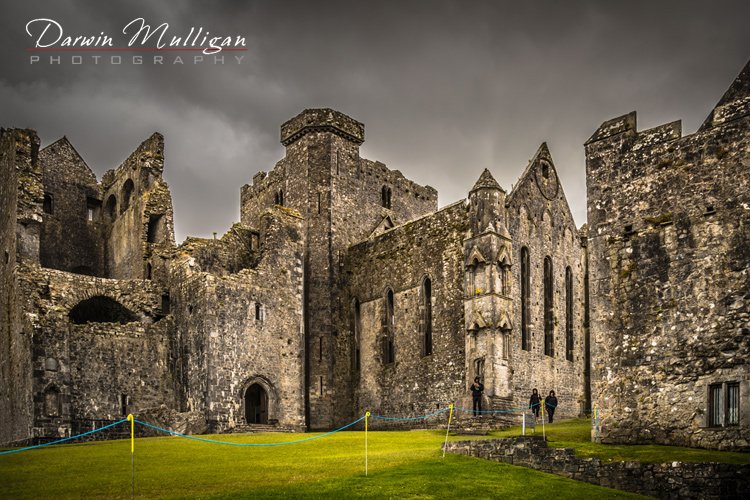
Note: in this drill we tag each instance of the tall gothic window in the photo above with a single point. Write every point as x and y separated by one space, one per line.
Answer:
426 319
568 314
549 326
525 293
389 355
357 333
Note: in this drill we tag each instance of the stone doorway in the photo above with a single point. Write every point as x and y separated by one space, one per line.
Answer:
256 405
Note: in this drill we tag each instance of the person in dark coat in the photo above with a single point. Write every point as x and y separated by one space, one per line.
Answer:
476 395
535 402
550 404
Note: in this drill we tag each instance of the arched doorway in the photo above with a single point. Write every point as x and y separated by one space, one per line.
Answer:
256 405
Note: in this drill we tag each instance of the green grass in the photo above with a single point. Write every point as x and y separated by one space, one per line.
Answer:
576 434
401 464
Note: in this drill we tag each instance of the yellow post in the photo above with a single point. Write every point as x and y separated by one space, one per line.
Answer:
450 418
367 416
131 419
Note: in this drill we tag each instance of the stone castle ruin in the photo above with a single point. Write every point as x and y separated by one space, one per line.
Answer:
344 288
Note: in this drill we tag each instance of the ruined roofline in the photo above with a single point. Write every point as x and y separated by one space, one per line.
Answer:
408 223
322 120
733 105
286 211
628 124
738 89
64 139
123 165
154 141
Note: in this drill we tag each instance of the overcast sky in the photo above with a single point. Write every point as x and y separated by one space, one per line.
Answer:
445 89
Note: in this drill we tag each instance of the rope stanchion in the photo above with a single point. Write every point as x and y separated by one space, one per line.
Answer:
367 417
131 419
544 433
19 450
447 430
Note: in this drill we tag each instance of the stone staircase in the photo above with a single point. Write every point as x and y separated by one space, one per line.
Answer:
485 422
256 428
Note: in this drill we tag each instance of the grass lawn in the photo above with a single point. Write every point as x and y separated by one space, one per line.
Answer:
401 464
576 434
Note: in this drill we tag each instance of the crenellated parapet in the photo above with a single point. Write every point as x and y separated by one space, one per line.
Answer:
322 120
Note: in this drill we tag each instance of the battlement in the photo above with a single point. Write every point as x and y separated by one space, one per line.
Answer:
322 120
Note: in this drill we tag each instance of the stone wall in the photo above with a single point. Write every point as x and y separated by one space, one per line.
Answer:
72 231
137 208
540 221
20 212
238 313
400 259
669 236
670 480
90 369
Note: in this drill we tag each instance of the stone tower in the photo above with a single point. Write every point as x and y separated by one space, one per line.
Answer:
488 305
343 199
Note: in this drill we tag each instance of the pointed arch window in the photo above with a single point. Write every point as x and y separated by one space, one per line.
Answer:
525 295
568 314
389 354
357 327
549 327
426 316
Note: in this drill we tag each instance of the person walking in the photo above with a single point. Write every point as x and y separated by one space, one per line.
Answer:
535 402
476 395
550 404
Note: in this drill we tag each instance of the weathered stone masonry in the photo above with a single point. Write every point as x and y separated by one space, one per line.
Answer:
343 288
670 277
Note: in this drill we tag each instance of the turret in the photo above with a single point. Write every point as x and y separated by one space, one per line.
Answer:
487 281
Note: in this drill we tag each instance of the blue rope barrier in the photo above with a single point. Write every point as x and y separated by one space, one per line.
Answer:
411 418
229 443
7 452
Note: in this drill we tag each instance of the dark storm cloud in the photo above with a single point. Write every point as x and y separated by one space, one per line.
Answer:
445 89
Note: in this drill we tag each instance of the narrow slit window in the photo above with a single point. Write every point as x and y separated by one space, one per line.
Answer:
48 204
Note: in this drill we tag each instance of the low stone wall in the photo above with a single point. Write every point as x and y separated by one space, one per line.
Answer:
671 480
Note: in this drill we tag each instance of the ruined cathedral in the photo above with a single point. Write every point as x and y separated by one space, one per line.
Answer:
345 288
